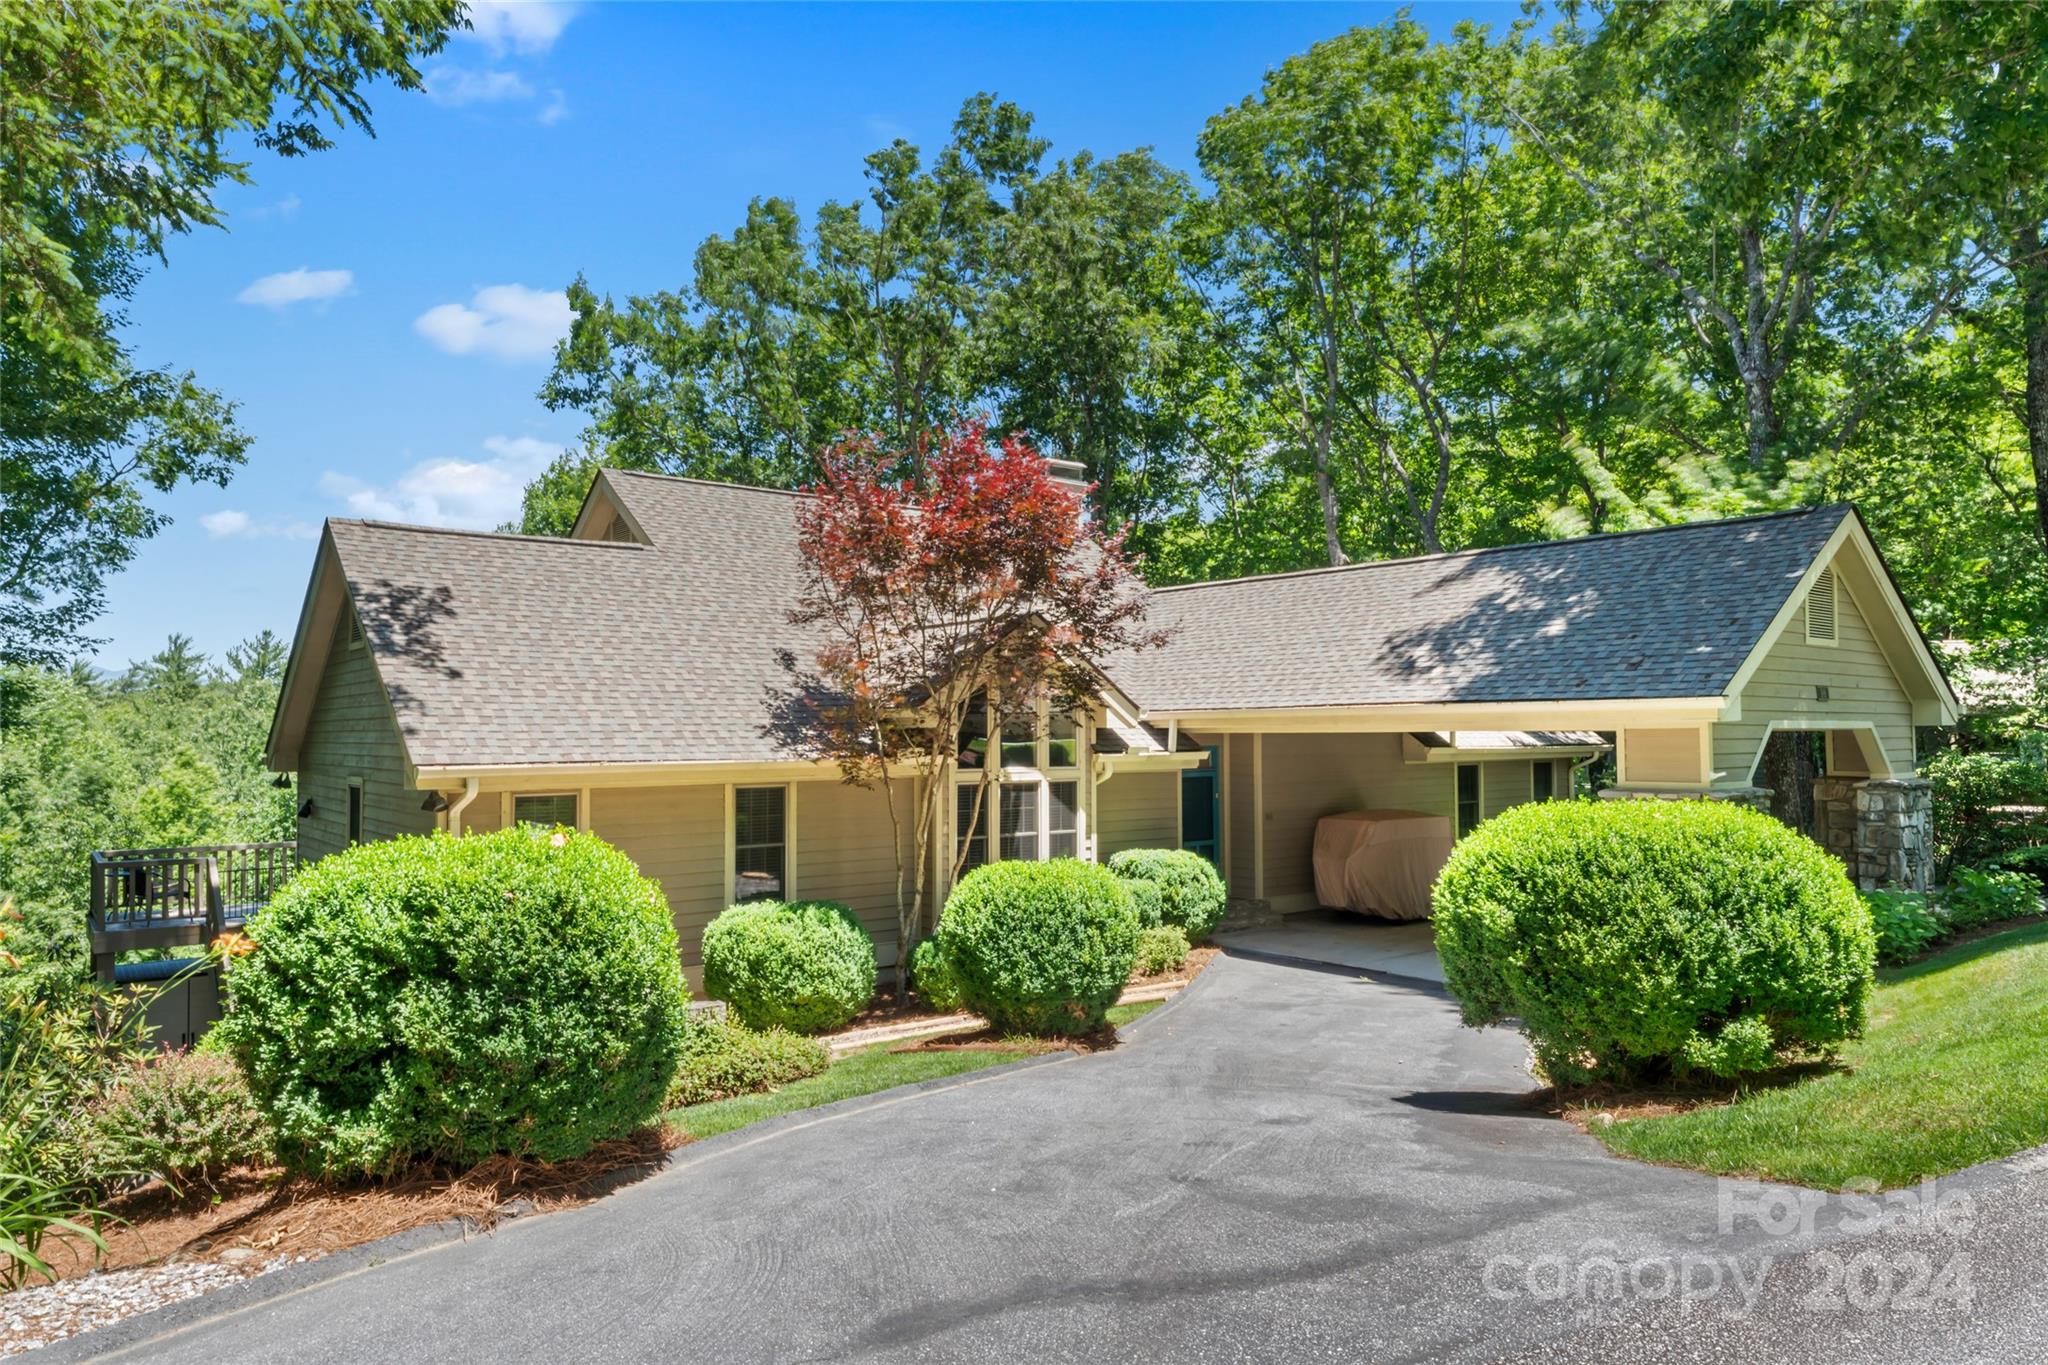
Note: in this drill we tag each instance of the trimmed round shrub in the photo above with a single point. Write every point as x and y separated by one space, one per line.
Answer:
445 999
724 1057
1162 948
806 966
1633 939
933 978
1042 948
1146 899
1191 894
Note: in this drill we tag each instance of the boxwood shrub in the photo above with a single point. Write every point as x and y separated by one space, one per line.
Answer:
806 966
724 1057
1162 948
1191 894
1040 948
446 999
1636 938
933 978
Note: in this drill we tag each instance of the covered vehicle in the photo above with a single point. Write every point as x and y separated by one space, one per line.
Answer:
1380 862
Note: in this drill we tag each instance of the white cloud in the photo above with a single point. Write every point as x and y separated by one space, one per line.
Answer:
477 494
455 86
230 524
528 26
505 320
288 287
286 208
555 110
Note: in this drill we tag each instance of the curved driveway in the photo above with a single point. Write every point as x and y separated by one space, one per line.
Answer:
1286 1162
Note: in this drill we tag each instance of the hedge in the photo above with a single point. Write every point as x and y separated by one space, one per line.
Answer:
1637 938
435 998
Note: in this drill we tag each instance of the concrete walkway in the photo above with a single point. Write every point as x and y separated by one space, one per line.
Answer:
1394 948
1282 1163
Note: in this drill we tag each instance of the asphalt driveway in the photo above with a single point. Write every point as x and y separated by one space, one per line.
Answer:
1283 1163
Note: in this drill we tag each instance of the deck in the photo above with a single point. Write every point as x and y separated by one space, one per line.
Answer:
179 897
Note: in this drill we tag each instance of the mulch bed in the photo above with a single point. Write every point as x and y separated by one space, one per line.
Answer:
266 1214
1595 1106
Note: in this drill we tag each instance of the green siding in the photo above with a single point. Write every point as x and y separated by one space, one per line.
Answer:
351 735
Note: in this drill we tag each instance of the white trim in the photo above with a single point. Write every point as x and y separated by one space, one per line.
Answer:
1865 730
1592 714
1534 753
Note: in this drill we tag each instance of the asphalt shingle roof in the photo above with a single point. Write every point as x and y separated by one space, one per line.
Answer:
1670 612
502 649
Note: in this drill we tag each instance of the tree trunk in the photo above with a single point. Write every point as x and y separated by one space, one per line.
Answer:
1327 491
2031 269
1788 772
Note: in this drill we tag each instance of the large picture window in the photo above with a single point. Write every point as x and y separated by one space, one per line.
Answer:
1032 811
760 842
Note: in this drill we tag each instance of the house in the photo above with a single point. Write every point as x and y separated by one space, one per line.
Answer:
618 680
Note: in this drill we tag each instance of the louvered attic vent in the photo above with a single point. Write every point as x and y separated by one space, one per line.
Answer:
1820 609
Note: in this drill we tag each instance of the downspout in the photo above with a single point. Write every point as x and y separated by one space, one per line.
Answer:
454 816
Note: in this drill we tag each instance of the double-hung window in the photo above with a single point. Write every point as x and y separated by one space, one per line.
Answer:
760 842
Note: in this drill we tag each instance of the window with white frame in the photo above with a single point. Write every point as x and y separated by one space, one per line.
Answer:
552 808
760 842
1031 808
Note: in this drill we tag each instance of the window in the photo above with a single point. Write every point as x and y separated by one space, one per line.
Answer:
355 812
1543 781
976 848
1062 829
1018 829
1468 798
760 842
1020 743
973 751
553 809
1062 742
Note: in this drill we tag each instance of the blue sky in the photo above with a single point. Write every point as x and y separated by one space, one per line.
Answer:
383 312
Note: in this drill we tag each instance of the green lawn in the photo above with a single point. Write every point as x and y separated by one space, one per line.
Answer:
859 1073
1949 1074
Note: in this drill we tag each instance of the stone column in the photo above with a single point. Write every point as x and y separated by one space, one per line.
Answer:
1834 817
1894 829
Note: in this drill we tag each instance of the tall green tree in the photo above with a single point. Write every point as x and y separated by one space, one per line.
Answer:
119 121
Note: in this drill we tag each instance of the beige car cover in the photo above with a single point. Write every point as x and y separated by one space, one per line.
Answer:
1380 862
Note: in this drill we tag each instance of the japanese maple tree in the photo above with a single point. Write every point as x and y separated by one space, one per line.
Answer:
983 578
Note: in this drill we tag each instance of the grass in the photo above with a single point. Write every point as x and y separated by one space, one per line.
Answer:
1949 1074
861 1073
858 1073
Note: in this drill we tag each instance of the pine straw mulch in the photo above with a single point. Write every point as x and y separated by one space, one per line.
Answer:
1588 1107
1103 1039
268 1214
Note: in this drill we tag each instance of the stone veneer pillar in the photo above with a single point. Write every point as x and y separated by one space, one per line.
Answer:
1894 833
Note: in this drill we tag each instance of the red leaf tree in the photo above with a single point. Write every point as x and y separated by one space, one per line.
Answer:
985 578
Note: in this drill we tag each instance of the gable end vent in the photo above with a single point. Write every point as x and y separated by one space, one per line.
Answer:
1820 609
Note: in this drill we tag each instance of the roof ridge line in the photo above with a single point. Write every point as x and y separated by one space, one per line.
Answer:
518 536
1501 549
703 482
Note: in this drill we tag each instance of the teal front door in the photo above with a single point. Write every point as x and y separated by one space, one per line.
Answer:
1201 816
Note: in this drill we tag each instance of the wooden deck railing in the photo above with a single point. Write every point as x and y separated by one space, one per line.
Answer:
169 897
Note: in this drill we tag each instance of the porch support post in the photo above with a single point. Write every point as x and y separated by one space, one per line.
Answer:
1893 833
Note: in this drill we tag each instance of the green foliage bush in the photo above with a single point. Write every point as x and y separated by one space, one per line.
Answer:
182 1116
807 966
1975 897
1162 948
723 1058
1985 806
933 978
1147 899
1905 923
1632 938
1041 948
1191 894
446 999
